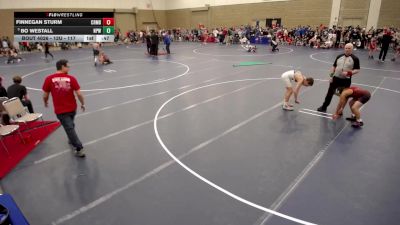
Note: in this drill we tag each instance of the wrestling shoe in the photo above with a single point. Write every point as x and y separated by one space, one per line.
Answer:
288 108
357 124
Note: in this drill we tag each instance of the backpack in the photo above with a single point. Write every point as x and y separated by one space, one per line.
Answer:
4 216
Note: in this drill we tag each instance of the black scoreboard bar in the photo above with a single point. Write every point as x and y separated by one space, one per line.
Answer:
64 26
54 15
58 22
59 30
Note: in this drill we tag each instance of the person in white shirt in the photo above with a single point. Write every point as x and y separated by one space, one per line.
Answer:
290 78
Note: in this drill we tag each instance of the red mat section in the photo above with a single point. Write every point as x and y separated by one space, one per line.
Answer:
33 134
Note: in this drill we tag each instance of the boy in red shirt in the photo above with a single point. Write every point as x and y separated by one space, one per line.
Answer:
372 48
359 98
63 88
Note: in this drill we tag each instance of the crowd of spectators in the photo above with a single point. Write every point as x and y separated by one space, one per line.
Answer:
315 37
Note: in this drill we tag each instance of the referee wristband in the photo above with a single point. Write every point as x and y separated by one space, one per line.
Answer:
349 73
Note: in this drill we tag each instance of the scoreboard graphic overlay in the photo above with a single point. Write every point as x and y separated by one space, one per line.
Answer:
64 26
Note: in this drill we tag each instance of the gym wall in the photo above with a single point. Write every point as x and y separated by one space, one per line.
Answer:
181 4
353 12
7 23
178 18
87 4
292 13
151 14
389 13
151 19
125 20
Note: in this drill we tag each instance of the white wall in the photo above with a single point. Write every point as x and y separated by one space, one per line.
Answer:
183 4
122 4
85 4
335 12
373 14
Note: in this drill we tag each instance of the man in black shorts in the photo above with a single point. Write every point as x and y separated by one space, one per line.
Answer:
344 67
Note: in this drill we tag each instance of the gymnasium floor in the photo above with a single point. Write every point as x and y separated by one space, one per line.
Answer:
190 139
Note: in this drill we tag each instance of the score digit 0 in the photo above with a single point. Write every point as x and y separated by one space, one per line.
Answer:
108 30
108 21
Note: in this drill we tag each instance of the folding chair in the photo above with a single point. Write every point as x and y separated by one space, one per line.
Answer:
17 112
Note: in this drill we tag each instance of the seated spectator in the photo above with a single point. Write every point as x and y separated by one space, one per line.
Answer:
244 40
5 119
3 92
13 56
5 42
65 46
39 47
26 46
18 90
313 41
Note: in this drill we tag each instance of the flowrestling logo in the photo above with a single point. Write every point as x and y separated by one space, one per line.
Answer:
64 15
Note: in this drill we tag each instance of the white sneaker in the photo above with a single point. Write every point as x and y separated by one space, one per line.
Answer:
286 107
80 153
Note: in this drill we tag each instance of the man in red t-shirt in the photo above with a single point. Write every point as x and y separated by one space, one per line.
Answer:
359 98
63 88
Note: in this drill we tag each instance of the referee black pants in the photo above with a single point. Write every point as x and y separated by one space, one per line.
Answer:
336 82
48 53
383 52
153 49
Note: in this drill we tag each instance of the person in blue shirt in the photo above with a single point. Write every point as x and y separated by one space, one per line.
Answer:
167 41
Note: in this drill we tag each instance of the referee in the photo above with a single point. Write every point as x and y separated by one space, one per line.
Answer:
344 67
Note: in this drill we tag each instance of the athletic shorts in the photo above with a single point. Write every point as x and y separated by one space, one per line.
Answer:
372 47
364 99
286 79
